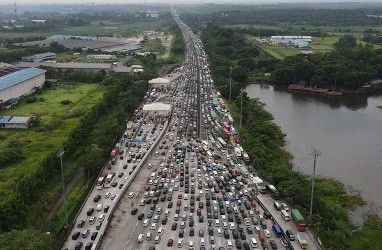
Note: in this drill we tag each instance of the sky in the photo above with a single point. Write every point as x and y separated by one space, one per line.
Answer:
176 1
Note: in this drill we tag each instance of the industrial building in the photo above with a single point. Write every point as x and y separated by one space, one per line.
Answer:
15 122
159 82
291 40
16 82
102 57
39 57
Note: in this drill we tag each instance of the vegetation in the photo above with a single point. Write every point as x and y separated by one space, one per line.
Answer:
29 188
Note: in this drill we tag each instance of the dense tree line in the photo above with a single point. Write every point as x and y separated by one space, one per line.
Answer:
98 128
347 67
321 17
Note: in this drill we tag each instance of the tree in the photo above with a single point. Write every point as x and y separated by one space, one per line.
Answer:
346 42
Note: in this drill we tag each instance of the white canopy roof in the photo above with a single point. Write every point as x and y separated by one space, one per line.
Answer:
159 81
157 106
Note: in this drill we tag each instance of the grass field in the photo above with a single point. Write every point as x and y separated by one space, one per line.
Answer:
36 144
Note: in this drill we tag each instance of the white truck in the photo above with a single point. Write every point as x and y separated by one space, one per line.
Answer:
301 238
238 153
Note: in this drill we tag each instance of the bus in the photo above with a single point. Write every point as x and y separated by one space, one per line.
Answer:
276 228
227 133
109 180
101 180
226 125
222 142
273 191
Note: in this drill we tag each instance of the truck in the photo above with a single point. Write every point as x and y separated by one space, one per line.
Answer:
301 238
273 191
237 153
129 125
100 180
298 220
246 158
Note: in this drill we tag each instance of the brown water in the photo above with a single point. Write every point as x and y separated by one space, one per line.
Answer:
346 129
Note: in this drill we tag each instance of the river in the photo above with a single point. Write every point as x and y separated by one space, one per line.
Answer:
346 129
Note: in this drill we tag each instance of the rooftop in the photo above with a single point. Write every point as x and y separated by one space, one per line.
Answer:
19 76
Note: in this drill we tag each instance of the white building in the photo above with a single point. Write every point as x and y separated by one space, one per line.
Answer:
16 122
21 82
158 108
292 40
102 57
39 57
159 82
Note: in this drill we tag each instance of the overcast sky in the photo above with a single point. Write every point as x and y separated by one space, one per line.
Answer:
174 1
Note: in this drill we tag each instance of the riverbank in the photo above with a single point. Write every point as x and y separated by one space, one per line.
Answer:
264 142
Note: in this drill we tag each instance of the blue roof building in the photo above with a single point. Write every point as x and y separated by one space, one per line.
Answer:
21 82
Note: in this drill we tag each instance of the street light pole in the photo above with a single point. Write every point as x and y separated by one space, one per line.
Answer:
230 82
59 155
315 153
241 107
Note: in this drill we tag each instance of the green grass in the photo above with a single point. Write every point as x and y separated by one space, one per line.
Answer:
369 237
37 144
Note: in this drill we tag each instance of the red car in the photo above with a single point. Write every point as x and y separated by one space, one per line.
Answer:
170 242
199 212
261 237
179 203
198 198
179 196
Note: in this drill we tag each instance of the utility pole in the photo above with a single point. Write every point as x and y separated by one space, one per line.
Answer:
59 155
315 153
230 82
241 107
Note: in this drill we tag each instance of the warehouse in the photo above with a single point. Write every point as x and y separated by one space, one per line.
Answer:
20 82
290 40
39 57
102 57
15 122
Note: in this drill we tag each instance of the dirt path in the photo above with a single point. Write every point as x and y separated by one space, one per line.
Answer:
68 189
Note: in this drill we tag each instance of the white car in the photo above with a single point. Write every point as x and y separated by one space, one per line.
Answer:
153 226
131 195
231 226
145 223
267 233
107 195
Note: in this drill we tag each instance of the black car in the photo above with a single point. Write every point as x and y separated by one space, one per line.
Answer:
76 235
210 231
249 230
97 198
164 221
120 186
243 236
134 211
90 211
273 244
238 244
114 184
94 235
235 234
181 233
201 219
141 216
81 224
89 246
246 246
192 231
78 245
174 226
226 234
191 223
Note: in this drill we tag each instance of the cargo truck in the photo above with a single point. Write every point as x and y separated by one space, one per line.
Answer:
298 220
301 238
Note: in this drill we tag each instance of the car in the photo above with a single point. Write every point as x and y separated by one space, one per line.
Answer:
78 245
94 235
201 232
75 235
131 195
284 242
273 244
246 246
106 208
81 224
145 223
170 242
267 233
97 198
90 211
174 226
226 234
238 244
141 216
191 231
134 211
249 230
120 186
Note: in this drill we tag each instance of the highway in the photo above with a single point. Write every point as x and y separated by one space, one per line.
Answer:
185 187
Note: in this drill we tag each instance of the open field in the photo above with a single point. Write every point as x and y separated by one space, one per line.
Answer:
36 144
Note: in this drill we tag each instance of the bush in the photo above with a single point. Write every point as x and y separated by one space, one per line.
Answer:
66 102
53 124
31 99
9 156
74 113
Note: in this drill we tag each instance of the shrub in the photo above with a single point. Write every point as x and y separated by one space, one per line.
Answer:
66 102
74 113
31 99
9 156
53 124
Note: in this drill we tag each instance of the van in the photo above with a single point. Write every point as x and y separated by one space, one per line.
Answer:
157 240
140 238
85 233
101 217
253 242
148 236
160 231
277 206
202 242
229 244
285 215
180 243
217 223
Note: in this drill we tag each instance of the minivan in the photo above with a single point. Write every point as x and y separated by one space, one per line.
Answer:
277 206
285 215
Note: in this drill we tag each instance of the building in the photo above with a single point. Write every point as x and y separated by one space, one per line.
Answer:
102 57
290 40
159 82
158 108
39 57
38 21
20 82
15 122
